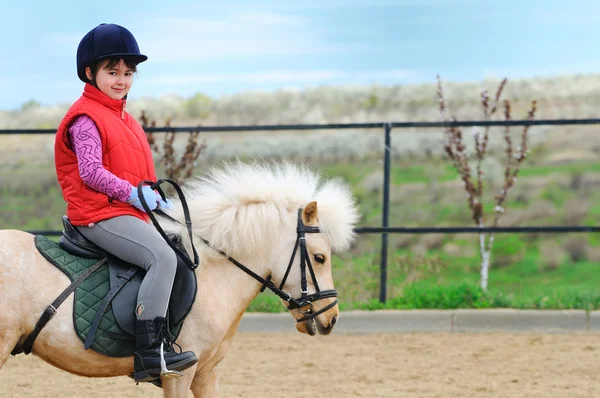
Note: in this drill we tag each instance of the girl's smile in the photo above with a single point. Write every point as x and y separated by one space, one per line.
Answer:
113 80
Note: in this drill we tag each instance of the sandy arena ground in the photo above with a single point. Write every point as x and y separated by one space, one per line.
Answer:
402 365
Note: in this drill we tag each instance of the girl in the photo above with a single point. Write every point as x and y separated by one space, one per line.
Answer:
101 155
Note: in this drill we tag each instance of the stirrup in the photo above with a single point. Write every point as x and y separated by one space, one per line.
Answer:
164 372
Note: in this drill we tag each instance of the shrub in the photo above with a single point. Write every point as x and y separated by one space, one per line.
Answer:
576 247
551 256
576 210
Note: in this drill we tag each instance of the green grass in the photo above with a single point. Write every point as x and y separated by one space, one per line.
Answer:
410 173
545 170
267 302
399 174
423 296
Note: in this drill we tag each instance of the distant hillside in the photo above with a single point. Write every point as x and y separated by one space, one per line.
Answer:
558 97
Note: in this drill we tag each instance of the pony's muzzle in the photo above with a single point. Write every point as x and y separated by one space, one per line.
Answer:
326 329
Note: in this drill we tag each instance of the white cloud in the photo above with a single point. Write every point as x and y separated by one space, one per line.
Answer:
253 34
285 77
237 34
592 66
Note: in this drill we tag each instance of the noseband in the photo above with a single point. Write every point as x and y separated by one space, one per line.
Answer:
292 303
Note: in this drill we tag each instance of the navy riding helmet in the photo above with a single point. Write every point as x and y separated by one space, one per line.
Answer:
104 41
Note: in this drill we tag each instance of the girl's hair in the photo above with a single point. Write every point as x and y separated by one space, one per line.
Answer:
131 64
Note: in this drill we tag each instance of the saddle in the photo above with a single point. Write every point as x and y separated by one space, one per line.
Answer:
104 311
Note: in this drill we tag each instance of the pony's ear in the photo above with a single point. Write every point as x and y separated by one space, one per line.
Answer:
309 214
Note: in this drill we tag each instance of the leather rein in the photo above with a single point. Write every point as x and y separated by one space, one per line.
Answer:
301 230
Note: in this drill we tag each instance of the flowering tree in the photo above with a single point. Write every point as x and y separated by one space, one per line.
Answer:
183 168
473 182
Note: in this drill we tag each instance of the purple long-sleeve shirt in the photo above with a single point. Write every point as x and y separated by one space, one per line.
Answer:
86 142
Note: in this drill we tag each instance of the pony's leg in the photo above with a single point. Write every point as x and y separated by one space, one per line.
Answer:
179 387
8 339
206 380
206 385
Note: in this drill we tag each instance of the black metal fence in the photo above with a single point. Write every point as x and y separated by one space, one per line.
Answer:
385 229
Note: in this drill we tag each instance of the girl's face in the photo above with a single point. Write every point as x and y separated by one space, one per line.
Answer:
114 81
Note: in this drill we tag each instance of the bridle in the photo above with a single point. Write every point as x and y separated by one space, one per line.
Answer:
305 299
301 230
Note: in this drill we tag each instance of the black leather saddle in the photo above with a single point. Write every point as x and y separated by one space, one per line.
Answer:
125 280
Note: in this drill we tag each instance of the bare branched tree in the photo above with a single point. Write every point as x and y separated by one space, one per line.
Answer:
456 151
178 170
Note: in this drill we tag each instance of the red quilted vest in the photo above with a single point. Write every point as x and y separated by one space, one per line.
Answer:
125 153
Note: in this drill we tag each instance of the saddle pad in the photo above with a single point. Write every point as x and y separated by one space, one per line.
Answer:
110 339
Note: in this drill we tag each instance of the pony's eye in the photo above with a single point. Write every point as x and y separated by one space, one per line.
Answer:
319 258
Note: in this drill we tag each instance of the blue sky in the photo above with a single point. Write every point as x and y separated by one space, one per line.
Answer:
233 46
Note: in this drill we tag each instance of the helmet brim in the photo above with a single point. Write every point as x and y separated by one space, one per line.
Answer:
137 58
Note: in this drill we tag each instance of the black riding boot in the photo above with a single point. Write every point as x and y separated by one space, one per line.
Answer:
148 337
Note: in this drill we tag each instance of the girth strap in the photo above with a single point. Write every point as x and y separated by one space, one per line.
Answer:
124 278
51 310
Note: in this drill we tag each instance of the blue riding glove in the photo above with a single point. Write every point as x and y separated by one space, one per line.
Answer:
162 204
150 196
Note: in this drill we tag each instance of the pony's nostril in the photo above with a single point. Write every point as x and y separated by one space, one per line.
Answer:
333 320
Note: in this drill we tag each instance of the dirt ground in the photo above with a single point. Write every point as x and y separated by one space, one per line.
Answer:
402 365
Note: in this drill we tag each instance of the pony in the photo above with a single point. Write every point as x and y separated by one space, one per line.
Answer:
248 210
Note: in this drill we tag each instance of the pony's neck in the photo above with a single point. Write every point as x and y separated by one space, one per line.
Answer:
224 293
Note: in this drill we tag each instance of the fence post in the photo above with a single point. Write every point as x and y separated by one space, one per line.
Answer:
386 212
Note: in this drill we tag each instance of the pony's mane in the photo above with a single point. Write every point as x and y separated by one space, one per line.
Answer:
239 206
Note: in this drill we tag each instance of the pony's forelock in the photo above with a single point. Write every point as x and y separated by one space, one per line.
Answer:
337 214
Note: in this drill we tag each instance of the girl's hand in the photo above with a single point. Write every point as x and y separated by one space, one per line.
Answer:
164 204
150 196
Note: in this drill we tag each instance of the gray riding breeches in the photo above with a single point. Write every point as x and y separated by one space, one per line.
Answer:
138 243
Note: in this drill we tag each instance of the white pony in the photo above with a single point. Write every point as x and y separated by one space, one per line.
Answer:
248 211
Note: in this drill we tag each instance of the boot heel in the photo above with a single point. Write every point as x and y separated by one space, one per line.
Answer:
145 376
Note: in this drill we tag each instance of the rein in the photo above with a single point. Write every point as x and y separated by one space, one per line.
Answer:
186 213
301 230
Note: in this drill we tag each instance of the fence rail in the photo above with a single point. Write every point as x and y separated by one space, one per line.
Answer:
341 126
387 127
